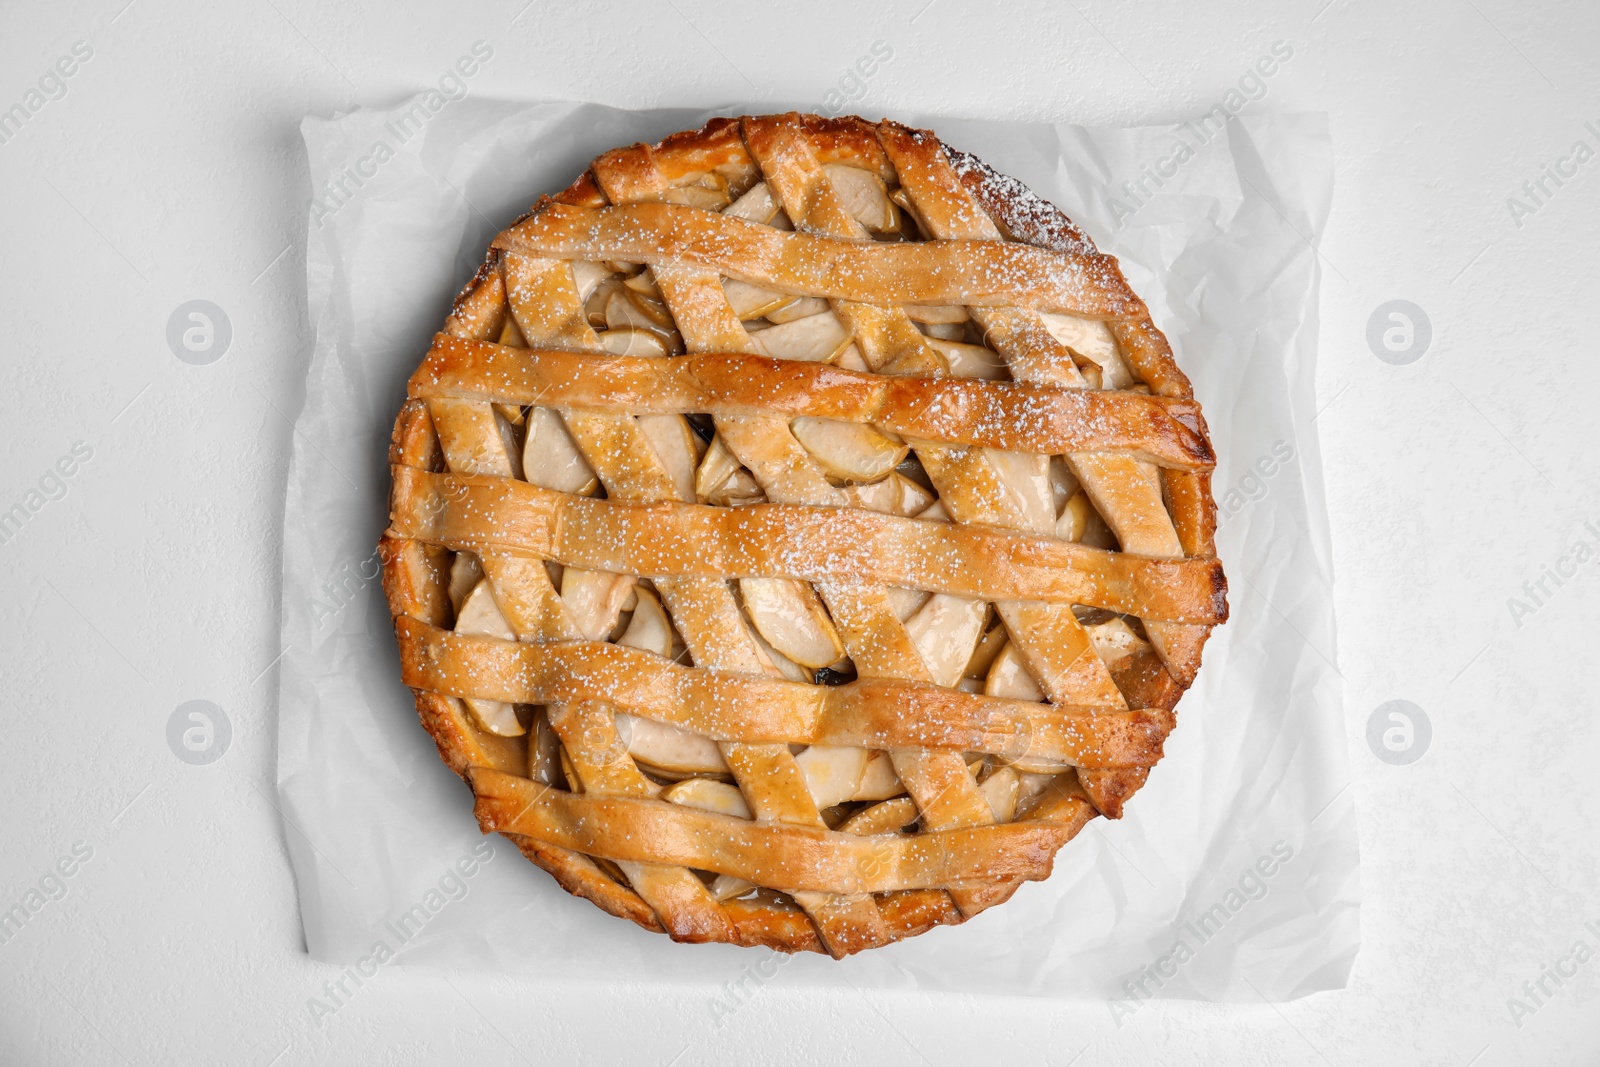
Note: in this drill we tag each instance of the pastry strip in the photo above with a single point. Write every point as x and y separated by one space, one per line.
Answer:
975 273
786 857
1009 416
760 708
818 544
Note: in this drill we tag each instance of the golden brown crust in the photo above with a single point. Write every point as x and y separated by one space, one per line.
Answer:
866 713
578 875
470 512
1010 416
415 572
925 273
644 830
763 924
462 745
480 309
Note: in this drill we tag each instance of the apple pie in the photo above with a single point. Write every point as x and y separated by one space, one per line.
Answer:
799 532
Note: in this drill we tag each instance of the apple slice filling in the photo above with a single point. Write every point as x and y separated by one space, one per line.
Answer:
480 616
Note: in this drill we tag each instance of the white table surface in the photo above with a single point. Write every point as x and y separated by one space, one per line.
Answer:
171 168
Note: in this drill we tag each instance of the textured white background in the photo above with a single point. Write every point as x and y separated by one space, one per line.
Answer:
172 169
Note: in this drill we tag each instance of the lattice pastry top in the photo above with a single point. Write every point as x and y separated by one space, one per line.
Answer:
799 532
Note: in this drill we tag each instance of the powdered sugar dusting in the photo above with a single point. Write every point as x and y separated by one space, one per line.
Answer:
1029 216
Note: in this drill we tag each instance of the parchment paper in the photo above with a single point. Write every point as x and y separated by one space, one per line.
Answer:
1234 875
